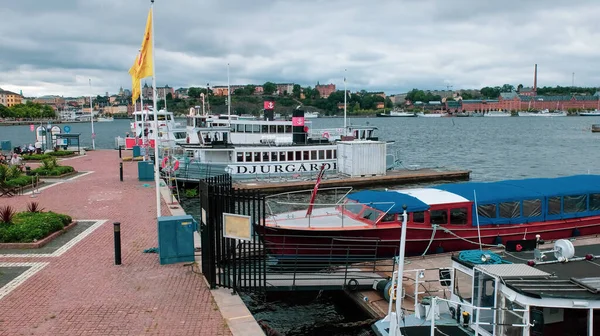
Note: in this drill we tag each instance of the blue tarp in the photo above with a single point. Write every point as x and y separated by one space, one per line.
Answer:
386 199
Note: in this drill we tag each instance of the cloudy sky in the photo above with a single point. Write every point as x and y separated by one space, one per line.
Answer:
54 47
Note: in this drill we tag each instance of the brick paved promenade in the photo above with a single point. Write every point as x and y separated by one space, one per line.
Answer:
82 292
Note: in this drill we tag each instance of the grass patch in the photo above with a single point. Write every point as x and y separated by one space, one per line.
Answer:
28 227
48 155
50 167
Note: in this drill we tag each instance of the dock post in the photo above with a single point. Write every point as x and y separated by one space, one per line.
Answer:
121 171
117 235
120 147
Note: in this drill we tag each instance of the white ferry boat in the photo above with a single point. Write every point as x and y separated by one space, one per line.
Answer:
543 113
169 132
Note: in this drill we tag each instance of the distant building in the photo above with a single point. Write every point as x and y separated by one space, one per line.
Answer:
9 98
50 100
181 93
161 92
398 99
325 90
285 89
527 91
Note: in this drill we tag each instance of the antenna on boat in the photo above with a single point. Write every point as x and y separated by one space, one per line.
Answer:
477 219
394 317
314 192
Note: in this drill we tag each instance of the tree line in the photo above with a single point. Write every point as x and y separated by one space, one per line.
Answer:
28 110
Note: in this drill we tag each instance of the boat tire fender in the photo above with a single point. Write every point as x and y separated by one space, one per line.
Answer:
352 285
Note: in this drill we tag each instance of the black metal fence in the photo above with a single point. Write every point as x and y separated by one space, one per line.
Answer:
228 262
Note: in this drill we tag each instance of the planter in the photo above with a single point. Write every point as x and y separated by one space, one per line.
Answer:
39 243
58 158
58 176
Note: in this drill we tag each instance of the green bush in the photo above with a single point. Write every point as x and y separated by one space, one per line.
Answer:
60 153
48 155
55 171
20 181
27 227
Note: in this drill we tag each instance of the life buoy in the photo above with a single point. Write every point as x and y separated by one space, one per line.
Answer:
326 135
170 162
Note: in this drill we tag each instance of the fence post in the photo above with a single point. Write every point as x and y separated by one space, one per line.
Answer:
117 239
121 171
120 147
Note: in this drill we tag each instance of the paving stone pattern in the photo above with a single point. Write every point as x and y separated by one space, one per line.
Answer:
82 292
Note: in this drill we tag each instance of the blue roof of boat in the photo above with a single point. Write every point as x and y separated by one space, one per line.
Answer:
383 201
524 189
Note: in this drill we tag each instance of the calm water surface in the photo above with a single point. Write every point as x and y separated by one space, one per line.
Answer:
493 148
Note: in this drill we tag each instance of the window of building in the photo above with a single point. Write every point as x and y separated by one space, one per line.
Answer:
282 156
288 129
240 128
335 153
313 155
438 216
532 208
256 156
389 217
256 128
298 156
290 156
248 128
280 129
594 202
554 205
305 155
486 210
458 216
248 156
264 128
463 285
321 154
273 156
574 203
272 129
240 157
265 157
328 154
418 217
509 209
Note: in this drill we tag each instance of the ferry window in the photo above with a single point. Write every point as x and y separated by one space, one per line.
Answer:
554 205
438 216
458 216
353 207
305 155
256 156
232 128
594 202
575 203
288 129
272 129
370 214
256 128
248 128
265 156
265 128
487 210
273 156
280 129
290 156
313 155
335 153
248 156
150 117
160 117
321 155
240 128
328 152
532 208
298 155
462 285
510 209
281 156
240 157
418 217
389 217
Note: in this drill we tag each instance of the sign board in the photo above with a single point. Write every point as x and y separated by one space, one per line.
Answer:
237 226
298 121
67 129
269 105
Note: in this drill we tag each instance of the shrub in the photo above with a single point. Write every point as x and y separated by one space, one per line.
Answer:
41 157
20 181
7 214
60 153
34 207
28 227
191 193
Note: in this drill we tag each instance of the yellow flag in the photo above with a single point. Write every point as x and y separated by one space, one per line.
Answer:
135 83
144 61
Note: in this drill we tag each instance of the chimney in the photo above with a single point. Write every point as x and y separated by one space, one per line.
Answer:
535 80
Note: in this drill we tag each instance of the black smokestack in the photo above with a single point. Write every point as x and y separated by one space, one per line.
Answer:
298 133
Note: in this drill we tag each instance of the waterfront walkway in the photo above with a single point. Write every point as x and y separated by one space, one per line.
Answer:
79 291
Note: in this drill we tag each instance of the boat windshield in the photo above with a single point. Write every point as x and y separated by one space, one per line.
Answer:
371 214
353 207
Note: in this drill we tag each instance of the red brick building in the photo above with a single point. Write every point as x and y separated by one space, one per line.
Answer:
514 102
325 90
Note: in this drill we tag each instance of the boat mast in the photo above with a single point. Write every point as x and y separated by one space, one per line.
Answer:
228 93
155 108
345 108
92 118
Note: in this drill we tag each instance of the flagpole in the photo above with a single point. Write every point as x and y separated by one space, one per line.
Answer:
92 118
154 103
345 94
228 93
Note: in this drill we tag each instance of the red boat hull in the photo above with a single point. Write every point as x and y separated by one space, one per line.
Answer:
383 241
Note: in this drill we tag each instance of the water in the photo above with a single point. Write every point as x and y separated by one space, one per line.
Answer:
492 148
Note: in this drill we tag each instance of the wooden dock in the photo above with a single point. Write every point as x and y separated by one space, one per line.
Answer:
392 178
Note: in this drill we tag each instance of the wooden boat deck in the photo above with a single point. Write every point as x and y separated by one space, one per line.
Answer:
392 178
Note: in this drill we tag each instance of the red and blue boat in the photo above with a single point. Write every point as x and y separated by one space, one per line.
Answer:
443 218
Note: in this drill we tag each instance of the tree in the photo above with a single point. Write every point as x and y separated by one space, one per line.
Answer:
519 87
5 112
507 88
194 92
297 91
169 96
490 92
269 88
389 103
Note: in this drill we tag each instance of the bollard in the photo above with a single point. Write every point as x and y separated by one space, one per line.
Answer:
117 228
121 171
120 147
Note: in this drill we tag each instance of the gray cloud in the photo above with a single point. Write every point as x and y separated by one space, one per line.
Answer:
54 47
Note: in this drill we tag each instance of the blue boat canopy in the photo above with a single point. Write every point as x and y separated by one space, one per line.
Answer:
383 200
